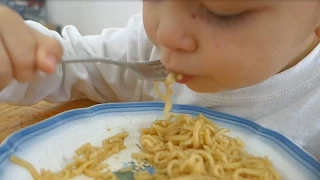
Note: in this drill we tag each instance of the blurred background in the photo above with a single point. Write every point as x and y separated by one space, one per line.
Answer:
89 16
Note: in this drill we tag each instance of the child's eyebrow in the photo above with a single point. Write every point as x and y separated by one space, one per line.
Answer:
232 5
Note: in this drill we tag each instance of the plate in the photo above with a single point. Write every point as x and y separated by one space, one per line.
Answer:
50 144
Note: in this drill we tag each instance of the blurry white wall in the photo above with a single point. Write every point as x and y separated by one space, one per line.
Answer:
91 16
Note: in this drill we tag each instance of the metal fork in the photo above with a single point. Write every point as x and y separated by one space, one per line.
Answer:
150 70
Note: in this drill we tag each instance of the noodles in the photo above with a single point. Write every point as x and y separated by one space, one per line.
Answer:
199 151
179 147
190 148
171 78
88 161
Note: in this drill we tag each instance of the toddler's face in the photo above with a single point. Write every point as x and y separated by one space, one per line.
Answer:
227 44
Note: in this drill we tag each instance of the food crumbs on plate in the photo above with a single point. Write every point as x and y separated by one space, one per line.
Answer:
117 157
108 129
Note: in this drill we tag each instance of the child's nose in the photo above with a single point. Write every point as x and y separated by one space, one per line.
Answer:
174 37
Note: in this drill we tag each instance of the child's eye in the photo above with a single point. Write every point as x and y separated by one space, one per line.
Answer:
225 20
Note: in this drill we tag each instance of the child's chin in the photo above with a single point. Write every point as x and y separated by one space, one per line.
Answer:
200 86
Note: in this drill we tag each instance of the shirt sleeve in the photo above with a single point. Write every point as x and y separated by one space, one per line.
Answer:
96 81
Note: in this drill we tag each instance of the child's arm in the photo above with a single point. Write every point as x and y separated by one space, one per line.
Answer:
99 82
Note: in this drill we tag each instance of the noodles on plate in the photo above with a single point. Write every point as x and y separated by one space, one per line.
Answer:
88 161
179 147
185 147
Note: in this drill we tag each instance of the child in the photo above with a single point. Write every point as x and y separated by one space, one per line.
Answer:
258 60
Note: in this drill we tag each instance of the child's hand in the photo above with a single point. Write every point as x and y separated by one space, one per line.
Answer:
23 50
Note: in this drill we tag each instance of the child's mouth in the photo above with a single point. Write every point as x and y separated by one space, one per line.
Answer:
184 79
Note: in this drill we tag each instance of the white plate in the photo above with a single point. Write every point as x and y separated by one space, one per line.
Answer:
50 144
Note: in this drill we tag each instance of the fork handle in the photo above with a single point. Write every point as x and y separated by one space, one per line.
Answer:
98 60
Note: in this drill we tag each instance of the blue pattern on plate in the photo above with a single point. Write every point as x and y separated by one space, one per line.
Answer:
9 145
135 167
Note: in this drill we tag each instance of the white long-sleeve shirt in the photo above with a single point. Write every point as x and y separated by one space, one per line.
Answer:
287 102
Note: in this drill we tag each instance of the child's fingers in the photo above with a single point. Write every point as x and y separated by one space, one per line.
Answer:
5 67
48 52
19 45
46 62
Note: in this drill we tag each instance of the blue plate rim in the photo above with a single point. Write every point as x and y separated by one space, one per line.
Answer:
8 145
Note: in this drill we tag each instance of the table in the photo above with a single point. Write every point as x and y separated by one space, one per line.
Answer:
13 118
